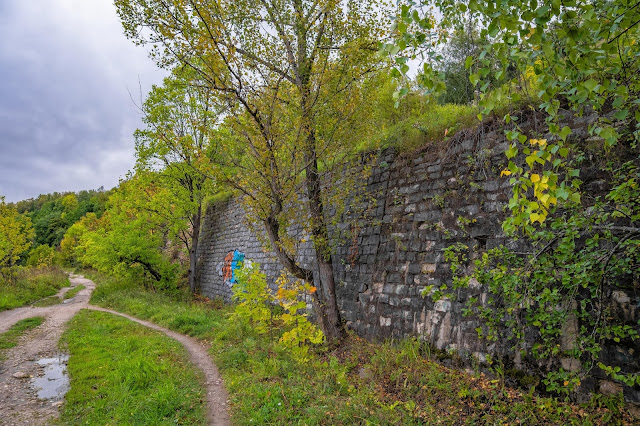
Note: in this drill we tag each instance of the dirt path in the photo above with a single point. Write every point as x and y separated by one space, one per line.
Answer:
19 403
216 394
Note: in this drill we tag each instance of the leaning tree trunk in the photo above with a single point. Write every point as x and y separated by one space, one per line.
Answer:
326 305
193 251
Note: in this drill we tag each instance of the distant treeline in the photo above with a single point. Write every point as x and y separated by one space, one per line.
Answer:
53 214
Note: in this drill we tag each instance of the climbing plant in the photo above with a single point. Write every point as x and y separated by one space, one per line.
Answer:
573 62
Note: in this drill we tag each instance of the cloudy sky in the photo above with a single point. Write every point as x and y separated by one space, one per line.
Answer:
66 115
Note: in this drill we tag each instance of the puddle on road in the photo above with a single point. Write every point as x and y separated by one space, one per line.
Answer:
54 383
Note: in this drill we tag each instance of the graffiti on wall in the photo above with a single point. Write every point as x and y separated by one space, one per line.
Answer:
231 263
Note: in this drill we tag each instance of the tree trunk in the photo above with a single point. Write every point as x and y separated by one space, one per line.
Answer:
324 299
147 266
326 305
327 309
193 252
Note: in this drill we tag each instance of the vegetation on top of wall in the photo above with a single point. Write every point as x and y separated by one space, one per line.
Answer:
419 118
219 197
435 125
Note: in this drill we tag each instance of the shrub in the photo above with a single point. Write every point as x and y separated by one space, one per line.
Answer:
41 257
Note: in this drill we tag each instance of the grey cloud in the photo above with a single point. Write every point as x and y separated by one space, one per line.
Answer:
66 117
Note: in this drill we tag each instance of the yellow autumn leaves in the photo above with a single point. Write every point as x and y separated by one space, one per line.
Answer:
544 185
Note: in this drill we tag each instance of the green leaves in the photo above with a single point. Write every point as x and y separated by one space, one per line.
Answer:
129 238
256 306
578 58
468 62
16 234
566 131
591 84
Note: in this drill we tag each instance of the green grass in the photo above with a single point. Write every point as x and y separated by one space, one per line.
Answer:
9 339
415 131
30 284
47 301
377 383
71 293
175 312
124 373
361 382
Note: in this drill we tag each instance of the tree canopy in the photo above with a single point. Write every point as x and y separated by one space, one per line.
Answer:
289 72
125 240
172 157
16 234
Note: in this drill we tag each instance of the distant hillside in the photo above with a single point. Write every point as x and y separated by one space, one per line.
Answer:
52 214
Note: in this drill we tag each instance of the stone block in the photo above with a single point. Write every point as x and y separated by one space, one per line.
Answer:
442 305
428 268
607 387
570 364
620 297
409 189
414 268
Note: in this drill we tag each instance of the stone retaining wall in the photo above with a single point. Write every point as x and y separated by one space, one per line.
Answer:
419 204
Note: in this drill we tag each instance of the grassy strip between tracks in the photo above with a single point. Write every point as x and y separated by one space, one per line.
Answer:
75 290
9 339
47 301
359 383
124 373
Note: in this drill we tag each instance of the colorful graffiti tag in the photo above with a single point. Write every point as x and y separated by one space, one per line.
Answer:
231 263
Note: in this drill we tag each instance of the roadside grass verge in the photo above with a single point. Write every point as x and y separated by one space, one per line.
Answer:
71 293
9 338
358 383
176 311
378 383
27 285
124 373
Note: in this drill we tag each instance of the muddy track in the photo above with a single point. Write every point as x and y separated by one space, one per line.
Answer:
19 403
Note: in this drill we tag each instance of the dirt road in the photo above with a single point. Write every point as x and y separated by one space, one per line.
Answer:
19 403
37 355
